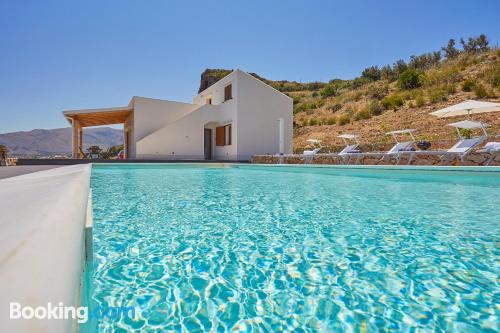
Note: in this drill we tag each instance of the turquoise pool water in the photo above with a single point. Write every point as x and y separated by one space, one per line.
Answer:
262 249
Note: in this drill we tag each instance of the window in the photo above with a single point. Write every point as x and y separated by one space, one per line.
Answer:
223 135
208 100
228 92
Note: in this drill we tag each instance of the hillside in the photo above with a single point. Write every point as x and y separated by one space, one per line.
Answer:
394 97
42 142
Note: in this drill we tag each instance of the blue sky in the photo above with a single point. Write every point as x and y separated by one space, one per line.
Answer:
57 55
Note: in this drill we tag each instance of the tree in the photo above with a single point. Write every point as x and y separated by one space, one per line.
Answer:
400 66
425 61
475 44
389 74
450 51
372 73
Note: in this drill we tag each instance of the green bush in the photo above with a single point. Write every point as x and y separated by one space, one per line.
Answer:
438 95
480 91
467 85
314 94
465 132
375 108
328 91
308 106
410 79
378 91
392 102
344 120
296 99
364 113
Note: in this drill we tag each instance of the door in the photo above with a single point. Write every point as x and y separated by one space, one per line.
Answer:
208 144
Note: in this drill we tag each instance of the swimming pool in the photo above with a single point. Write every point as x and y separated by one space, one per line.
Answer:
304 249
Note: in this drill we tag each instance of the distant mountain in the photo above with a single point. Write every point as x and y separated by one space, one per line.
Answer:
42 142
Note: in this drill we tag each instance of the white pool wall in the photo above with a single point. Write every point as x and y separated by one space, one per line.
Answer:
42 244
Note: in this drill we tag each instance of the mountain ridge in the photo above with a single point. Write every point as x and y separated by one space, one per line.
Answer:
57 141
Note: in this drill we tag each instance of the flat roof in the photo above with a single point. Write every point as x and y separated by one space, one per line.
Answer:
98 117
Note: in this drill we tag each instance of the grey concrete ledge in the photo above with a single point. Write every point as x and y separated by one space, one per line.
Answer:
42 244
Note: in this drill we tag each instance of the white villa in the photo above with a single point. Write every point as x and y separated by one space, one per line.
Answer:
235 118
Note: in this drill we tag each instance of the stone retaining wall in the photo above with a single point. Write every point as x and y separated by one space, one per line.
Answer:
472 159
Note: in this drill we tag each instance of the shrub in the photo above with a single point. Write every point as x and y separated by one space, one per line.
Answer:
438 95
420 101
296 99
392 102
375 108
331 121
492 74
449 74
359 81
465 132
378 92
308 106
480 91
344 120
328 91
364 113
410 79
467 85
313 122
314 94
334 107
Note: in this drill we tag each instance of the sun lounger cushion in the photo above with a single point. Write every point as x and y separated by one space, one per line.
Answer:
465 145
311 152
350 149
402 146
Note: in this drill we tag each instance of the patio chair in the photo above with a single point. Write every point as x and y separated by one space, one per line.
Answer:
94 152
83 154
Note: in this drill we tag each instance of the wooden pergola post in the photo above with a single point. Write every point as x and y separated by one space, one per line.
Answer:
75 152
80 142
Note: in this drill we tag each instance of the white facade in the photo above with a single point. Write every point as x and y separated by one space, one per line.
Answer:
260 119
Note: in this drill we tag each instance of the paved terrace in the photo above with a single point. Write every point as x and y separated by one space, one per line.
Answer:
12 171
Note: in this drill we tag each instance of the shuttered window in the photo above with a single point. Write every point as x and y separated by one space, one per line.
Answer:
220 139
228 92
223 135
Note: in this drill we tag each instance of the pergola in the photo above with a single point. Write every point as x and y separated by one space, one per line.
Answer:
98 117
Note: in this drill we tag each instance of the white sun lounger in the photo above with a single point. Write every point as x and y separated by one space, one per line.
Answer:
400 147
463 146
309 154
351 149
